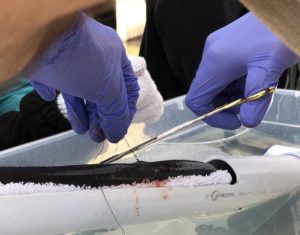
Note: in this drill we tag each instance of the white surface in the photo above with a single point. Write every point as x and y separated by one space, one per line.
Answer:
259 179
218 177
279 150
31 188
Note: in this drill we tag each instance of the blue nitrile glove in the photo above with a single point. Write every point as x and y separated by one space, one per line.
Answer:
88 64
238 60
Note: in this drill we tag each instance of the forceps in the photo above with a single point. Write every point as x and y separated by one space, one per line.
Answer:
223 107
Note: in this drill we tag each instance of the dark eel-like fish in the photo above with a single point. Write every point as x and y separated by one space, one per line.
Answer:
105 175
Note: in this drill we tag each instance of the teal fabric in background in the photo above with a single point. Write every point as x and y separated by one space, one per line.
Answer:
11 94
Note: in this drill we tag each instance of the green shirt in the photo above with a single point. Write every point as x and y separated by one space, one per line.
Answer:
11 93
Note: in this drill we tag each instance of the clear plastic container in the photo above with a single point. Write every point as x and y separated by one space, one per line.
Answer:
280 126
66 148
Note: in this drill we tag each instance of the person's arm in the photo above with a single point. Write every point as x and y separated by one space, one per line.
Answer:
26 27
84 59
239 60
282 17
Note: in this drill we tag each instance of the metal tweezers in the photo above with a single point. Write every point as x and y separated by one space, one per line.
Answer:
256 96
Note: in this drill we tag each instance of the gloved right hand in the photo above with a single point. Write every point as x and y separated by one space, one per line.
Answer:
88 64
243 48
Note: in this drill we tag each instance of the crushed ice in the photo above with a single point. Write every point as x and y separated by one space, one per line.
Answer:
218 177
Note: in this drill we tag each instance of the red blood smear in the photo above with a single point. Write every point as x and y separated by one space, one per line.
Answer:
158 184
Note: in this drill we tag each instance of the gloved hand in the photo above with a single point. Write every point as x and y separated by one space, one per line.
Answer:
238 61
88 64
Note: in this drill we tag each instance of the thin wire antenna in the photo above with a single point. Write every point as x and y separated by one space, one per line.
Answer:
103 194
112 212
133 152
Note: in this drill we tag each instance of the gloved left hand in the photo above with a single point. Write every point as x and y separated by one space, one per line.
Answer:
88 64
238 61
